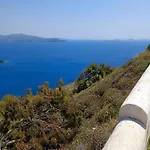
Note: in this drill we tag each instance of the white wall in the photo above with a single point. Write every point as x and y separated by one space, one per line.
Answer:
131 132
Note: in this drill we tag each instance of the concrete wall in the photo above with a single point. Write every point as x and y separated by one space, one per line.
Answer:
132 130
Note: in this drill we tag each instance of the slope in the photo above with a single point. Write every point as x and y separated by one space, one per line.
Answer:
99 105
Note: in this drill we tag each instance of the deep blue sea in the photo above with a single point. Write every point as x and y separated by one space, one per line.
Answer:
29 64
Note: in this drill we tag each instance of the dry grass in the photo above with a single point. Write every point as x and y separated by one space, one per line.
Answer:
99 105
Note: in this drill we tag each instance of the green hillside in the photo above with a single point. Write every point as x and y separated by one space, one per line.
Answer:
58 119
99 104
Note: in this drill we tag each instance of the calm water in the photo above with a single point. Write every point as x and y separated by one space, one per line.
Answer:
30 64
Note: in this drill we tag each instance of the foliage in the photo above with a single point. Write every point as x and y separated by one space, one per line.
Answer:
90 75
99 105
60 83
42 121
148 144
148 47
56 119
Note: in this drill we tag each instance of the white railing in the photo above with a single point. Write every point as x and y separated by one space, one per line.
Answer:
132 130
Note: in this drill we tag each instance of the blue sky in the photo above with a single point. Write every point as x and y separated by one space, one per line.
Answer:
77 19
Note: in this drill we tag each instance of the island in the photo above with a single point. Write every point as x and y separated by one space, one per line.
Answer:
27 38
1 61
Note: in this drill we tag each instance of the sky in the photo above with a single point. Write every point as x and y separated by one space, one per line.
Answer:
77 19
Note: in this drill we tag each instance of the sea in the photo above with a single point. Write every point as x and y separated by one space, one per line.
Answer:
30 64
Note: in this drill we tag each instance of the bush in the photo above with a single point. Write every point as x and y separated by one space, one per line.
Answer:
148 47
42 121
92 74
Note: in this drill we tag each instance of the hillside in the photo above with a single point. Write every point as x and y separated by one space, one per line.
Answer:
56 119
27 38
99 104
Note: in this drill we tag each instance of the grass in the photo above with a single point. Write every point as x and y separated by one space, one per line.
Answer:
99 105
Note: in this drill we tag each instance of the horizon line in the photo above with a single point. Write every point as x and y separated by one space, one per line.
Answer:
106 39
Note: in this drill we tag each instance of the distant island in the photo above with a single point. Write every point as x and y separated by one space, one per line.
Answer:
117 40
1 61
27 38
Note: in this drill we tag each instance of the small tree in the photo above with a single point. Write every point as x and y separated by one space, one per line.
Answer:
60 83
43 89
29 91
148 48
92 74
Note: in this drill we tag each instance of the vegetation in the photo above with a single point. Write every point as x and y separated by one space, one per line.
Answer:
90 75
43 121
148 48
56 119
99 105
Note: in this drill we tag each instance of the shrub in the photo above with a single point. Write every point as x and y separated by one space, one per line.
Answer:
92 74
148 47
